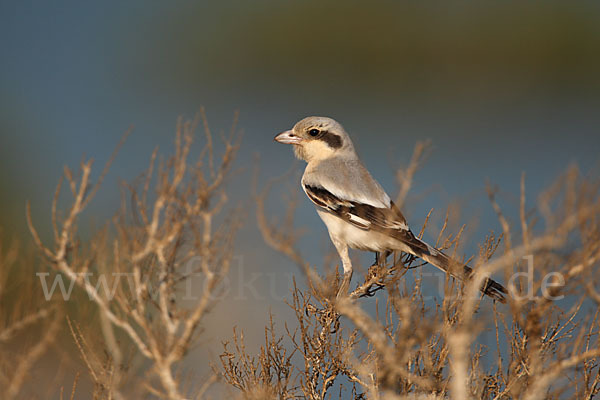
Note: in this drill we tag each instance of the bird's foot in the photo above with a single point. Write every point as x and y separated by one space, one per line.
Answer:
381 257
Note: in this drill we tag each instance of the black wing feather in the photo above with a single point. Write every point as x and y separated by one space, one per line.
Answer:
388 221
391 222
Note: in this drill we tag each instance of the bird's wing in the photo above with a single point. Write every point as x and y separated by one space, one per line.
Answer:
391 222
346 179
386 220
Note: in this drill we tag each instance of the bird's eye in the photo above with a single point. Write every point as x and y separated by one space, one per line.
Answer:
313 132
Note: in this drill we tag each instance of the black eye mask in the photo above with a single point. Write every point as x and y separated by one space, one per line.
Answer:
334 141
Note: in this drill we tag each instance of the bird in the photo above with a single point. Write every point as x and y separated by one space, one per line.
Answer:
356 210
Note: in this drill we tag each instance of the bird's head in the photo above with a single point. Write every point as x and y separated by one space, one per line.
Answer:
318 138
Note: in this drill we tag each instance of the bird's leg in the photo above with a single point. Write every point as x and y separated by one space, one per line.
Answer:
345 285
342 249
381 257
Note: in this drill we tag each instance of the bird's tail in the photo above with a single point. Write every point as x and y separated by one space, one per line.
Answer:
459 270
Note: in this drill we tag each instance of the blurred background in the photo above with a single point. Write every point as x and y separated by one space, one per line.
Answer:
500 88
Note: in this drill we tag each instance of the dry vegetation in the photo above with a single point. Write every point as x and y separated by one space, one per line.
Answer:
387 340
413 348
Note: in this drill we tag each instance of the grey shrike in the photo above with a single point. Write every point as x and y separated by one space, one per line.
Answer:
354 207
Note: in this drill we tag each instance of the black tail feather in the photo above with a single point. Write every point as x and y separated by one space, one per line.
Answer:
438 259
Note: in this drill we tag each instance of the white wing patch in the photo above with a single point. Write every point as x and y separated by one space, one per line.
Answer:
359 221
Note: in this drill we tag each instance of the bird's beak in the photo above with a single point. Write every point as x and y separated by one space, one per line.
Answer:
288 137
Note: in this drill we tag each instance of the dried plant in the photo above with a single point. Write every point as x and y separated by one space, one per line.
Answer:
165 233
20 316
415 347
267 376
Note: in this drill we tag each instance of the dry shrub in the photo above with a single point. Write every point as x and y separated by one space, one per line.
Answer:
20 316
387 340
134 269
413 347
